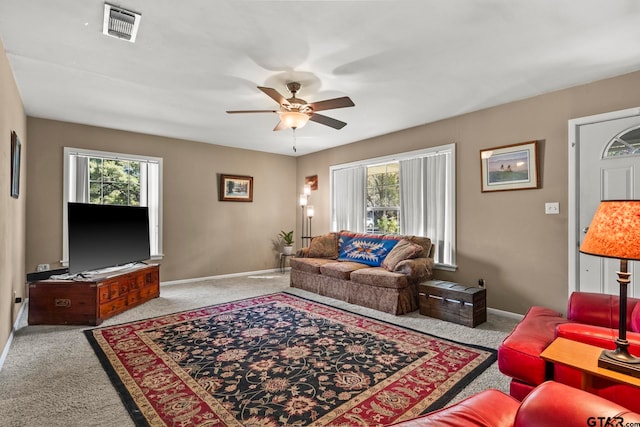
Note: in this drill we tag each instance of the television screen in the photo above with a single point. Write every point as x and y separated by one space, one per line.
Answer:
103 236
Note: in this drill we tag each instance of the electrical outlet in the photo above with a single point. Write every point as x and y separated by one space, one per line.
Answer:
482 283
552 208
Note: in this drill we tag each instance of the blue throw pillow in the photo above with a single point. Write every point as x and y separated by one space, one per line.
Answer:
365 250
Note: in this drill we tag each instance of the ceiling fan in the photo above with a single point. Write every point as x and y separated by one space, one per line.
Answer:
295 112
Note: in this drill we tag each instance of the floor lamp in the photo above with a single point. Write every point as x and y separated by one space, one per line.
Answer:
303 203
614 232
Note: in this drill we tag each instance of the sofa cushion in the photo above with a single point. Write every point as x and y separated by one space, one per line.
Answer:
425 242
325 246
403 250
379 277
341 270
310 265
370 250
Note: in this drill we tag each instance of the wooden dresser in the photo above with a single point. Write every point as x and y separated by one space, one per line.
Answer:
91 301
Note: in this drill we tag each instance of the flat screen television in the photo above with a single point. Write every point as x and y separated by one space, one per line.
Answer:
102 236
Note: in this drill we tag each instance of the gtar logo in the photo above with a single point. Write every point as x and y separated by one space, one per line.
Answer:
605 422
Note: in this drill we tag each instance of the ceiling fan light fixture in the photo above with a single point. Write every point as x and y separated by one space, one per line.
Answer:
294 119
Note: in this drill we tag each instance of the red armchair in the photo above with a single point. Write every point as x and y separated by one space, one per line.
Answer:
550 404
592 319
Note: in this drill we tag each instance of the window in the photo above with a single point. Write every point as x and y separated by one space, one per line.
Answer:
383 198
626 143
410 193
115 179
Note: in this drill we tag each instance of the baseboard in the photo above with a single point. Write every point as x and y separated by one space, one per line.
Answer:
508 314
5 351
221 276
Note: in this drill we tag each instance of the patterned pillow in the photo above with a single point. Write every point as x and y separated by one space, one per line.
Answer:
325 246
403 250
365 250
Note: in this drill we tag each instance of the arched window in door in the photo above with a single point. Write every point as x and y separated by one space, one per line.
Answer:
626 143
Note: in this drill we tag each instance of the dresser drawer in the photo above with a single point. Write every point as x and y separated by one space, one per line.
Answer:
112 307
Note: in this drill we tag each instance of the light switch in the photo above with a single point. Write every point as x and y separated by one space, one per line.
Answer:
552 208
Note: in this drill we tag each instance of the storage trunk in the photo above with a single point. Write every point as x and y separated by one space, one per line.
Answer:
466 305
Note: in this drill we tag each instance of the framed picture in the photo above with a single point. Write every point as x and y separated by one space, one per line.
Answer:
312 182
510 167
15 165
236 188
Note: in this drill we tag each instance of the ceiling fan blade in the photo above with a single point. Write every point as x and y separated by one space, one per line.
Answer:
280 126
274 94
251 111
330 104
328 121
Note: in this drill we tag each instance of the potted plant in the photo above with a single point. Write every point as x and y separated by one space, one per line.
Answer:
287 239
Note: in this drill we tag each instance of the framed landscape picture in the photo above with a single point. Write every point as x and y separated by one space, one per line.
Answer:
15 165
236 188
510 167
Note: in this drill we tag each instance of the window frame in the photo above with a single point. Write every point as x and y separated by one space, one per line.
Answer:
451 175
70 151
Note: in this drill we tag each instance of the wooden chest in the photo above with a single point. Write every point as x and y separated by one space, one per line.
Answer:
91 301
466 305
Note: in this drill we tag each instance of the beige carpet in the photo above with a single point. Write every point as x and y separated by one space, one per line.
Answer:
52 377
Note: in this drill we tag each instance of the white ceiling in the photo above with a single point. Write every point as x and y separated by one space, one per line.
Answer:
404 63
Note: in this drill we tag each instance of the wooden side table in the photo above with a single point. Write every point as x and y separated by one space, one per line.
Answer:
583 357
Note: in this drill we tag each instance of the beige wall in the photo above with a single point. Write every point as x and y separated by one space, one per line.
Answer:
201 235
12 211
503 237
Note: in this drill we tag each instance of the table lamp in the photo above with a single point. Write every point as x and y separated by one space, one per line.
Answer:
614 232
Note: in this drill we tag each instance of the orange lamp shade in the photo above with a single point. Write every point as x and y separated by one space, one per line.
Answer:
614 231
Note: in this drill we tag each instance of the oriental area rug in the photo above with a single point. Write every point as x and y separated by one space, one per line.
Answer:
280 360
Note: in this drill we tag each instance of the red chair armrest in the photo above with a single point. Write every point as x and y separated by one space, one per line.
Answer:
490 408
553 404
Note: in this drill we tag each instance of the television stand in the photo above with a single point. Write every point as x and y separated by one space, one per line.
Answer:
91 300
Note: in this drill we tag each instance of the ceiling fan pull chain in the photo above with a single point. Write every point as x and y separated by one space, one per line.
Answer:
294 140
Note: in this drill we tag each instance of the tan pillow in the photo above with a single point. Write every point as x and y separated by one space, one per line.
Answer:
403 250
325 246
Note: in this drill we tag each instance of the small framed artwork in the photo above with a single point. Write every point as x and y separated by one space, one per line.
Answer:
510 167
236 188
16 147
312 182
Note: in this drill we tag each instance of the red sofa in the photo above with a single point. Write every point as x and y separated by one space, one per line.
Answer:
550 404
591 318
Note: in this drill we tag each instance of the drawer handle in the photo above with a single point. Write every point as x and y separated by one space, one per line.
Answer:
62 302
461 302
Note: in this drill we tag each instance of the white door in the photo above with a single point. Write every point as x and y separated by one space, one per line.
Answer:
600 176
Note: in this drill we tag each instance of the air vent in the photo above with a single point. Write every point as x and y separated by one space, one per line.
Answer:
120 23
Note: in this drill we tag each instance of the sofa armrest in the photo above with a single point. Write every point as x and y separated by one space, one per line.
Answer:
598 309
597 335
553 404
416 269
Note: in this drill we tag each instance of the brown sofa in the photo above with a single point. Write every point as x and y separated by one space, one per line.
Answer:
375 271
